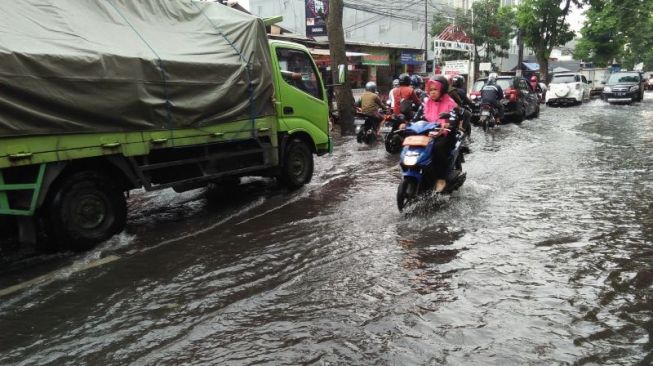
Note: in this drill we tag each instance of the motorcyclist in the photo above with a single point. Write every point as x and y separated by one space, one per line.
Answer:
534 83
458 87
492 94
439 102
404 97
370 104
391 99
417 83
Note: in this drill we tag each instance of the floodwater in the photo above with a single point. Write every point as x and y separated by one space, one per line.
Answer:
544 257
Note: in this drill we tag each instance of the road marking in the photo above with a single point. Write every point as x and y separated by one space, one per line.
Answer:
50 277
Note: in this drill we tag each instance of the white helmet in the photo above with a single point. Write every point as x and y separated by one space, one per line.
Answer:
370 86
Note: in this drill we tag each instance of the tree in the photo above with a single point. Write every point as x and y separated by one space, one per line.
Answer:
617 31
544 26
343 94
489 25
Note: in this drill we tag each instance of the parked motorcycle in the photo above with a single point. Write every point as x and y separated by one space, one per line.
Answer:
487 117
417 165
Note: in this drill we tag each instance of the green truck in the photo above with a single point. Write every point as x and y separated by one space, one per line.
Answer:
98 98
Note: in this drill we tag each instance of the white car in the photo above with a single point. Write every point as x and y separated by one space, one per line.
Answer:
568 89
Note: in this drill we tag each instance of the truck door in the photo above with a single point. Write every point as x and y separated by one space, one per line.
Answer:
301 94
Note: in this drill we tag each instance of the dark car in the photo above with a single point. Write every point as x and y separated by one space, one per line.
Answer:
624 87
520 100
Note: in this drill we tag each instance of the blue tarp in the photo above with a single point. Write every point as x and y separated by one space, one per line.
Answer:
528 66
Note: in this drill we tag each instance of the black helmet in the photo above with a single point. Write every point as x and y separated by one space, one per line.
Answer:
443 80
415 81
404 79
458 81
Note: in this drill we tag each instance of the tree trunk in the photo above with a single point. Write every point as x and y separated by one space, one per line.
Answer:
343 95
544 67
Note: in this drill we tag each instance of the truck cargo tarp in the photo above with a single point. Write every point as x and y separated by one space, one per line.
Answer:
71 66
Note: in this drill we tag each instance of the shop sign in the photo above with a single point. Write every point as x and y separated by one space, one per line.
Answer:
412 58
456 67
316 13
376 58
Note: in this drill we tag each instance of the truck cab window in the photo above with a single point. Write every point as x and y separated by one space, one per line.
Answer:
298 71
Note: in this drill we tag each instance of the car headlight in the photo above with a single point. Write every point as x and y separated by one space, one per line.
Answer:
607 89
634 88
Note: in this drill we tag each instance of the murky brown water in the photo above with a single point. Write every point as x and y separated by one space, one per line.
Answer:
544 257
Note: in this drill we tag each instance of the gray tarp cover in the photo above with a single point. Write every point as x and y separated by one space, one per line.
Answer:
69 66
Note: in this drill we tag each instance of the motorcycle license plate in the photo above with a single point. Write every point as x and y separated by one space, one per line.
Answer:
386 129
485 113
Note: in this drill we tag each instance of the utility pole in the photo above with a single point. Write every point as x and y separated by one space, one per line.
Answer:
426 35
520 53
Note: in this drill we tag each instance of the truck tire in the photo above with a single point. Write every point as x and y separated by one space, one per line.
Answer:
297 167
86 208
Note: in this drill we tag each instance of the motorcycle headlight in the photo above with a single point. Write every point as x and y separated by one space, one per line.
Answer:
607 89
634 88
410 159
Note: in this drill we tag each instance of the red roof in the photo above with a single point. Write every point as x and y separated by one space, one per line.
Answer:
454 33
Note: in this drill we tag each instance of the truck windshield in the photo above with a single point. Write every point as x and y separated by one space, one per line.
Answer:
297 70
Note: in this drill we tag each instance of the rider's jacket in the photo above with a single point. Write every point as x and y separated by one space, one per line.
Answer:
491 94
370 103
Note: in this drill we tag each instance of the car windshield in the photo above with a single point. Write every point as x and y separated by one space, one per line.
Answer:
623 78
478 84
562 79
504 83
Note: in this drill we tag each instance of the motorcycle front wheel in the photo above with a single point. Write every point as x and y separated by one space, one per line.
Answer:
406 192
393 143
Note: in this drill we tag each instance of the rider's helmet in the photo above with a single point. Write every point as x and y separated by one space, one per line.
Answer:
404 79
370 86
416 81
395 83
534 79
442 80
492 78
458 81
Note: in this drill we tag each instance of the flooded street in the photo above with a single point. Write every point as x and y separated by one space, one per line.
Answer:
543 257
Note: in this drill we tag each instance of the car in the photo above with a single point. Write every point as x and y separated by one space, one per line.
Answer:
624 87
520 101
568 89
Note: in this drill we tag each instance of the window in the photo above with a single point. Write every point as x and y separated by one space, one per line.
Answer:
562 79
583 78
298 71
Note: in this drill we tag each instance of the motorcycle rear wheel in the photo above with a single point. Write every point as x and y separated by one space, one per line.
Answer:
484 124
393 144
406 192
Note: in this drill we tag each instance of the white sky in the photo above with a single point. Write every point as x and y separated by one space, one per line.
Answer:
244 3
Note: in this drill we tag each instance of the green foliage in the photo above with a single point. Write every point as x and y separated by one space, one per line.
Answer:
618 29
491 30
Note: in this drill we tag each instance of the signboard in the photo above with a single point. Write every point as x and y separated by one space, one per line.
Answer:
376 58
411 58
316 12
485 66
456 67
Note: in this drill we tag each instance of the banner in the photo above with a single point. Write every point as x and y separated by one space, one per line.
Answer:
376 58
411 58
456 67
316 13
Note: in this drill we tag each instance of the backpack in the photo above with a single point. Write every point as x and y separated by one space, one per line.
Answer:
405 105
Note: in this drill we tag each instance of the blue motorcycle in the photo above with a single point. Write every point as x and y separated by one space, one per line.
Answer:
417 165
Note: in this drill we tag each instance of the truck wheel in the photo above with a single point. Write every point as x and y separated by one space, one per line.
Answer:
86 208
297 164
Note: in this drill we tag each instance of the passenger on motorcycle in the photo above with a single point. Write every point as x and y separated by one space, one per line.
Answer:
492 94
458 87
404 97
439 102
370 104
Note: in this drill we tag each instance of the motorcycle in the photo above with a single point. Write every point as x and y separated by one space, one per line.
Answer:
417 165
366 128
487 117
